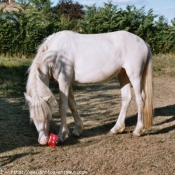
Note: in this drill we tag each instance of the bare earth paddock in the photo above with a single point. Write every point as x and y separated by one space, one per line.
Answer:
93 152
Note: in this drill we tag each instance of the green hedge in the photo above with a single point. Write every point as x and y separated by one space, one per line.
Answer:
21 32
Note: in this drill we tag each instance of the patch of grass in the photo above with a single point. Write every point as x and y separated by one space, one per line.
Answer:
164 64
13 75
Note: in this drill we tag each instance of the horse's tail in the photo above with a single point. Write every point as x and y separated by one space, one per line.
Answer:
148 111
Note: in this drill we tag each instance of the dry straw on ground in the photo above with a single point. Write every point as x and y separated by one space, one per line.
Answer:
93 152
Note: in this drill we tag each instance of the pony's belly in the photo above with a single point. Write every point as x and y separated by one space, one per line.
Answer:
93 77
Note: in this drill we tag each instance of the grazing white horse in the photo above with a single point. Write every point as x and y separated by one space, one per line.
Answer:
69 57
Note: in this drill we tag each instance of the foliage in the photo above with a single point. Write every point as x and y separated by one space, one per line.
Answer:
69 11
21 32
99 20
41 4
157 33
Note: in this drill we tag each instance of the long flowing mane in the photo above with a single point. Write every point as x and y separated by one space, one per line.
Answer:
36 87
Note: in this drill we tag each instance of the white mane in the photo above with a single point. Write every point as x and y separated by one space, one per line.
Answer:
36 87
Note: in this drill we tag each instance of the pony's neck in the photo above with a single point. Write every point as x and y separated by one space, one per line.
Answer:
39 74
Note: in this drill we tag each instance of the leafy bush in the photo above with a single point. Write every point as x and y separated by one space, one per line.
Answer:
21 32
157 33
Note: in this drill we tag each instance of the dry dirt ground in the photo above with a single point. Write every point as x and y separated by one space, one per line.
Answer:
93 152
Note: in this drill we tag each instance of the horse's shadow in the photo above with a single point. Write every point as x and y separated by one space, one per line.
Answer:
165 111
5 160
132 120
130 124
162 112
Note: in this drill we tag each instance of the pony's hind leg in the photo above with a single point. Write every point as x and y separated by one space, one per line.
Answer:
137 85
126 98
72 105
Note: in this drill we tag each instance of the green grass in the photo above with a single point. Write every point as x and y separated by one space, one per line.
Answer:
13 75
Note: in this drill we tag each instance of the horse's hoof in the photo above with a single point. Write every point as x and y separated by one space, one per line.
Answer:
135 134
75 134
110 133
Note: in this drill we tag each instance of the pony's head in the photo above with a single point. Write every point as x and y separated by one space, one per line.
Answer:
40 114
38 95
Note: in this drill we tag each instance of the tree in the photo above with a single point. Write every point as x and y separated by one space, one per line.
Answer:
40 4
22 31
173 22
100 20
69 9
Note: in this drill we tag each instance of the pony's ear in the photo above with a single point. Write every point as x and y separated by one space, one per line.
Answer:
47 98
27 97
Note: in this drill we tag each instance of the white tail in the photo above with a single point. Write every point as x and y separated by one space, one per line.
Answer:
148 111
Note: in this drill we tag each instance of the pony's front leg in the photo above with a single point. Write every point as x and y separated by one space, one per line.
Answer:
63 131
63 105
78 122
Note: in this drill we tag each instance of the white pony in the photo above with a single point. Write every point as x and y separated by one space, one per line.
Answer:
69 57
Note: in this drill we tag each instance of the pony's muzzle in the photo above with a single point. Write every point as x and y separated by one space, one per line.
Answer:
43 139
